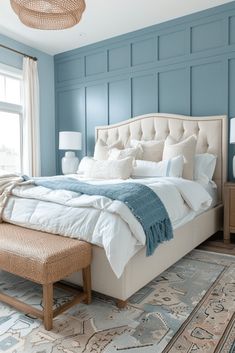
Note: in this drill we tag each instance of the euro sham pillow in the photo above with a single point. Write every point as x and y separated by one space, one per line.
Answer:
152 150
109 169
186 148
167 168
102 149
204 167
115 153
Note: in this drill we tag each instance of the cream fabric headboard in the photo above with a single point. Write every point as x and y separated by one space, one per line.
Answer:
210 130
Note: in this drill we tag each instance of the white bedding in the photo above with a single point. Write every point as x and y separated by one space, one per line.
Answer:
99 220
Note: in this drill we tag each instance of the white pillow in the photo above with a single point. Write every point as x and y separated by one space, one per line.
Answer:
194 194
168 168
102 149
204 166
84 164
115 153
187 148
109 169
152 150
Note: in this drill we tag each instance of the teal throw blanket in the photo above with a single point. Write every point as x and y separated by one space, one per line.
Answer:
141 200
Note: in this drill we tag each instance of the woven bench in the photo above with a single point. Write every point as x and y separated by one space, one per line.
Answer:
45 259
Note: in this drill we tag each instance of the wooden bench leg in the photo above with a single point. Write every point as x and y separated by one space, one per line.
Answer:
121 304
86 276
48 306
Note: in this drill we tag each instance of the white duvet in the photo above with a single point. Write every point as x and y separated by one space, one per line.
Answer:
99 220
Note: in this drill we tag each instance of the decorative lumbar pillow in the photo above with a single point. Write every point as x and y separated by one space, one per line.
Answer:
204 166
115 153
102 149
186 148
152 150
109 169
167 168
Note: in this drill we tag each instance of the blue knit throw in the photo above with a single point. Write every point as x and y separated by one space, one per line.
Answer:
141 200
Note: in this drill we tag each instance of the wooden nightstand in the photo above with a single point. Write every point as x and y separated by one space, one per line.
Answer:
229 210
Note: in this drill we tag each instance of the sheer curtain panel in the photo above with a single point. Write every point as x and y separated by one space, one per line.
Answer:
31 128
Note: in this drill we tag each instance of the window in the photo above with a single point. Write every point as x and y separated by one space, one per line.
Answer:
10 120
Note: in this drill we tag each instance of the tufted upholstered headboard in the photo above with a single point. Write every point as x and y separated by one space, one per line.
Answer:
211 134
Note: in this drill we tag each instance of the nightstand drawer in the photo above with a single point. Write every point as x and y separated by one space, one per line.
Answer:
232 208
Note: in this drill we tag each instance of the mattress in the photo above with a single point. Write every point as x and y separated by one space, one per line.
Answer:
99 220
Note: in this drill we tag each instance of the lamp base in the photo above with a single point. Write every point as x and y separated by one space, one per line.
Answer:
69 163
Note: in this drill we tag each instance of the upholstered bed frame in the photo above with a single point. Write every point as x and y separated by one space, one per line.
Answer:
212 138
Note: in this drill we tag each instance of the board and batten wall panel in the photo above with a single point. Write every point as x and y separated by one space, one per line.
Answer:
208 35
232 30
174 88
144 94
206 78
118 58
172 45
96 112
143 51
119 100
184 66
70 106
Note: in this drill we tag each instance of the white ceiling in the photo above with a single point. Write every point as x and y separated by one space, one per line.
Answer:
102 19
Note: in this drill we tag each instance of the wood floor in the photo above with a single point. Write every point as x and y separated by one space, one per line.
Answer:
216 244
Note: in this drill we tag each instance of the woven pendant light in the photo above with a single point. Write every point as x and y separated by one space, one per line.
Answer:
49 14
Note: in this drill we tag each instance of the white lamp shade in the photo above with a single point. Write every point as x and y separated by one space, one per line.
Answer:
70 140
232 130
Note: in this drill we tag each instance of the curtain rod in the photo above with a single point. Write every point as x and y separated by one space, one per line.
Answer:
18 52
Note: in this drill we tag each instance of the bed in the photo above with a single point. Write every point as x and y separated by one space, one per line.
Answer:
212 138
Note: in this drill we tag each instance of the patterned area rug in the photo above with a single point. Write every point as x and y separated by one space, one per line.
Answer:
190 308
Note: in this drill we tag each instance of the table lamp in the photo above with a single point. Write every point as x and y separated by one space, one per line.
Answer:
232 139
70 140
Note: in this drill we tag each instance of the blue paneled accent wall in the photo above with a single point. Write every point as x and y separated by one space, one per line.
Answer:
47 97
184 66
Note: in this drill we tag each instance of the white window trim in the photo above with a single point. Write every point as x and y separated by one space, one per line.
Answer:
11 71
14 72
11 108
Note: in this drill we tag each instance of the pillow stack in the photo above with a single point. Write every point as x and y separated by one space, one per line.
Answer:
169 158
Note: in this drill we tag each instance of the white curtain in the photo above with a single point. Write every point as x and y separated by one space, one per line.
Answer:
31 126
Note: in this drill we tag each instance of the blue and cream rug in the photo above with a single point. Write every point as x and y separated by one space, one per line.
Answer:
190 308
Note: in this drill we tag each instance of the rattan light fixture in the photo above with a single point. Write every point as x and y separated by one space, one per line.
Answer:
49 14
